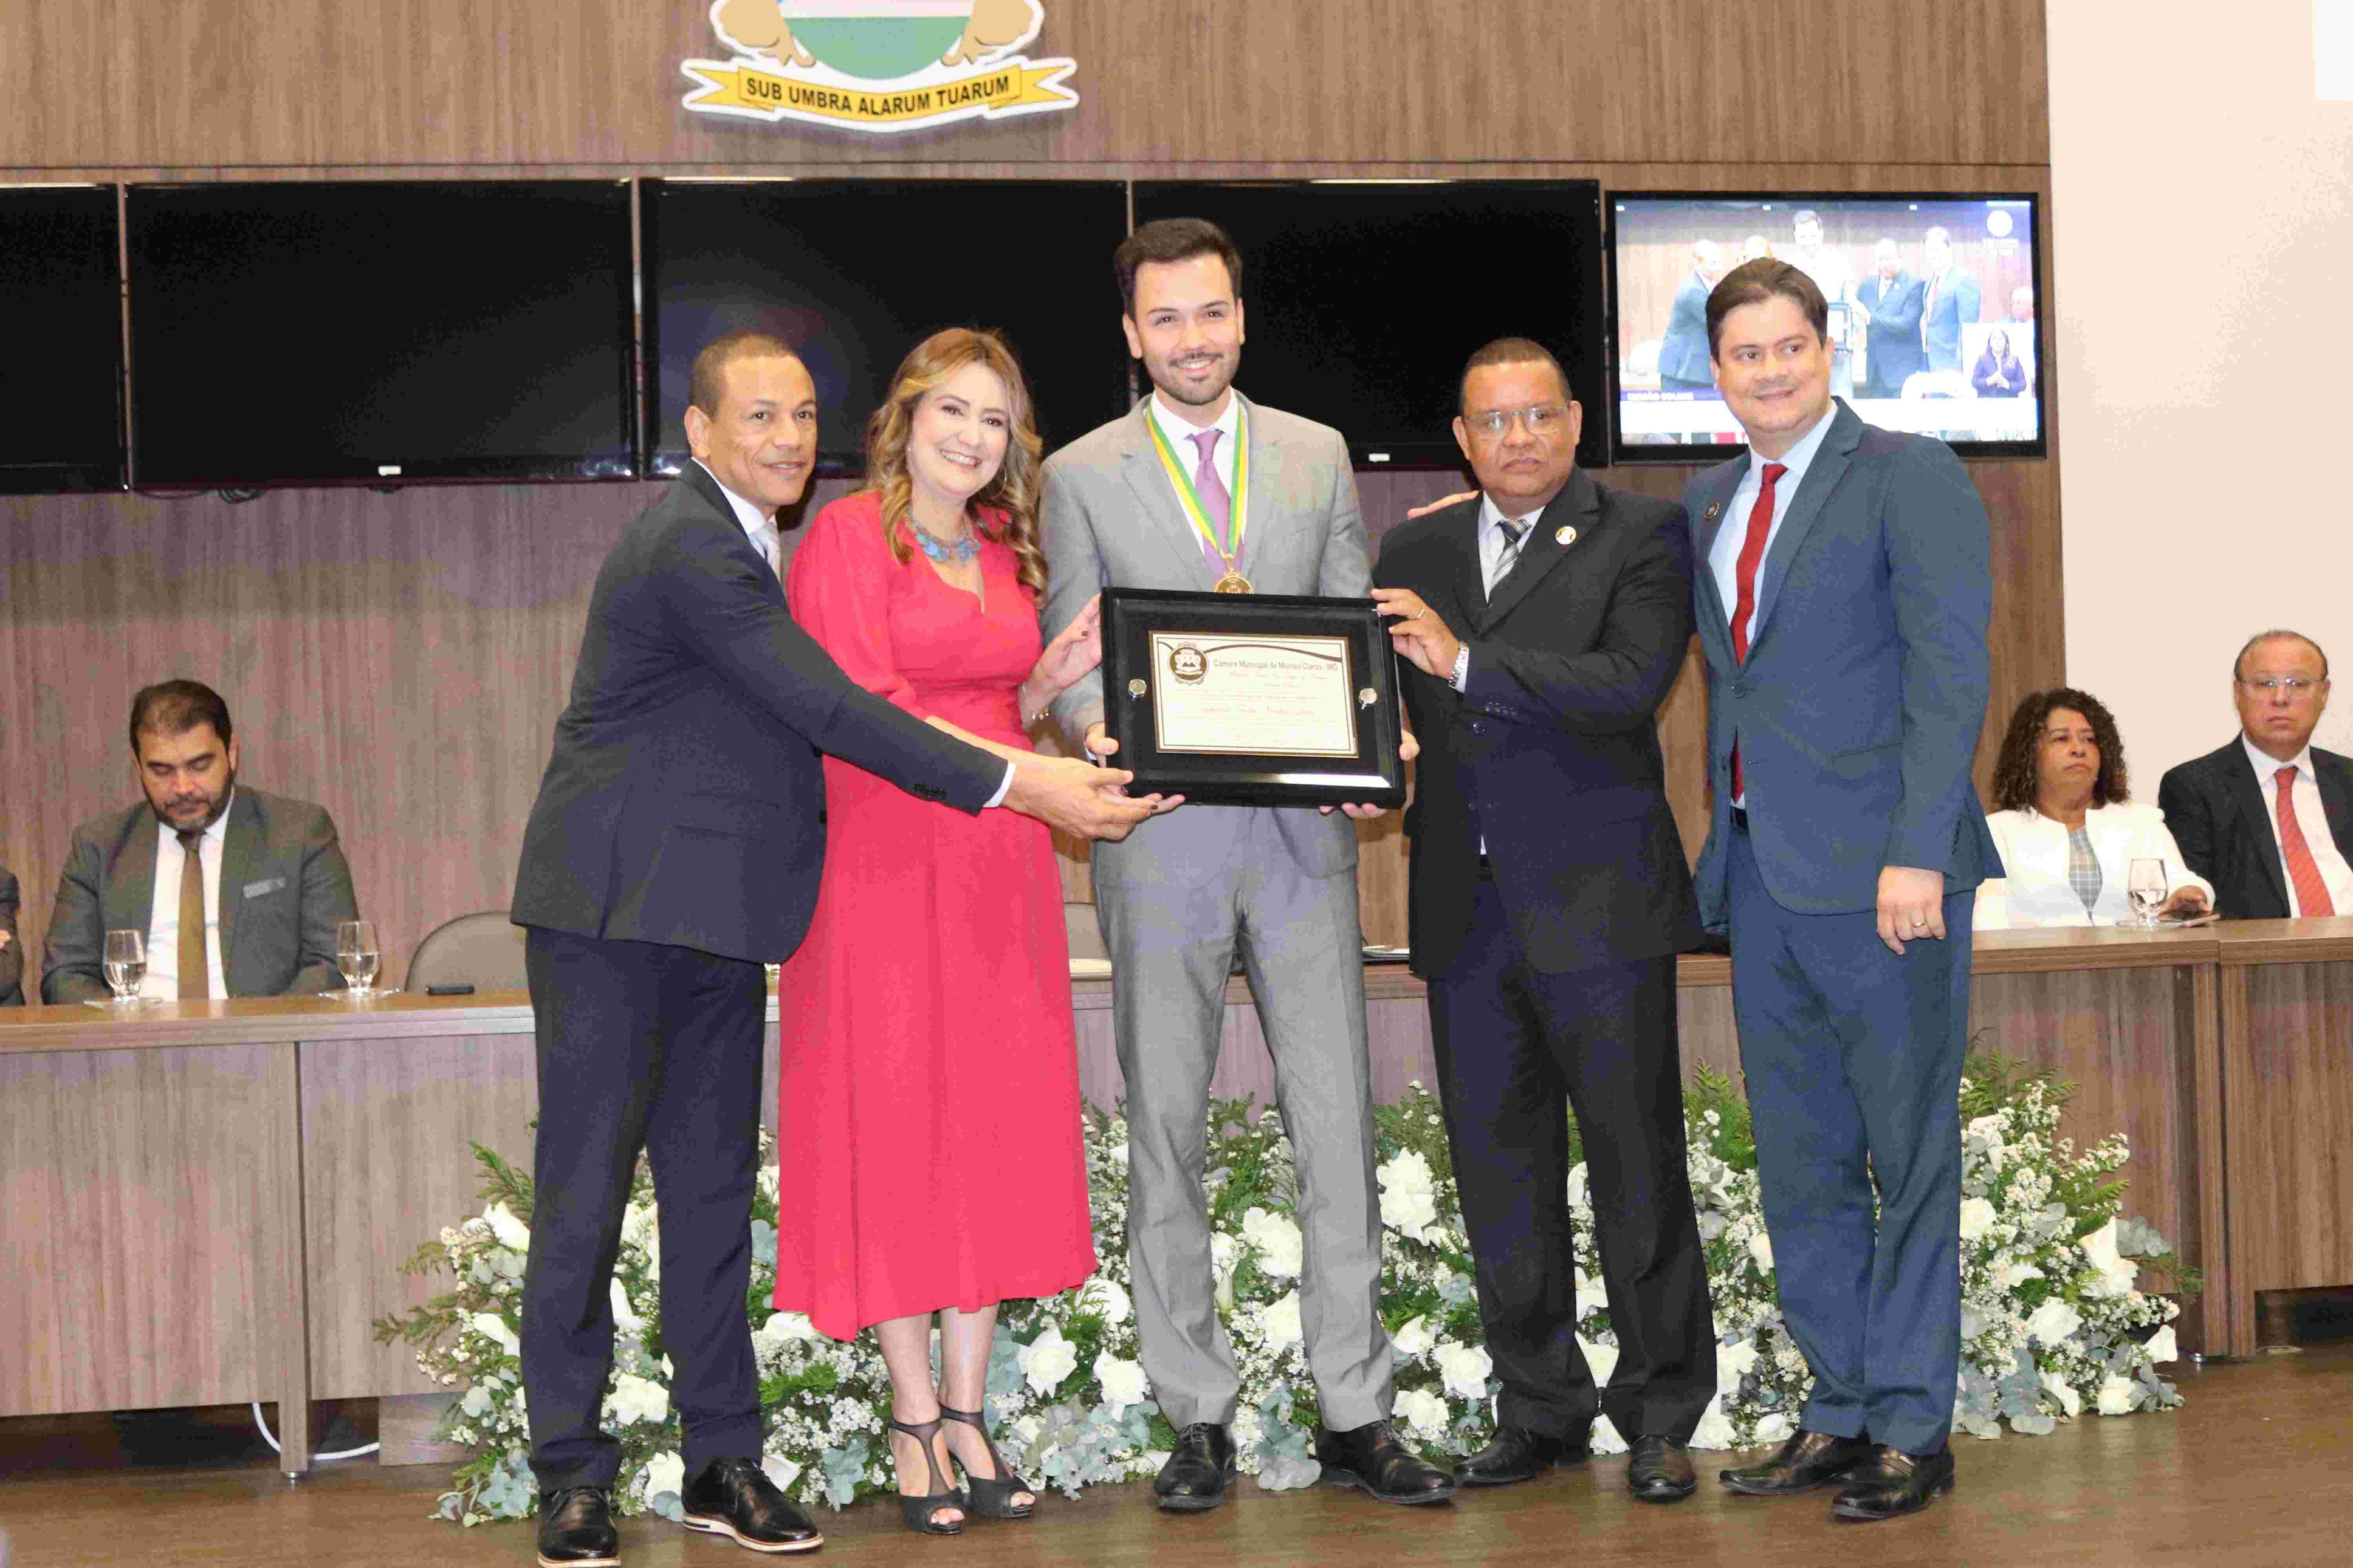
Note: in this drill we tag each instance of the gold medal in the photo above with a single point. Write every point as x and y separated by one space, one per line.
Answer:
1233 583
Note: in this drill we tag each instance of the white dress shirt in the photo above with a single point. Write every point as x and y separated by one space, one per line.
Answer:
1180 437
1723 555
2327 855
767 541
162 982
2036 892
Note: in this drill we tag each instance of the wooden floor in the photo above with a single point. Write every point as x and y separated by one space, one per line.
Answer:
2255 1472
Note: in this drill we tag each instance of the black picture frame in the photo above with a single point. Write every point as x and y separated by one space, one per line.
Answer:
1372 775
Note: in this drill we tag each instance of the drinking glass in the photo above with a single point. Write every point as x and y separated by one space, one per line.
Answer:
126 965
2144 884
355 955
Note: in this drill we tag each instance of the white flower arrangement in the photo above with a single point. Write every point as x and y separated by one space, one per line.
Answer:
2052 1321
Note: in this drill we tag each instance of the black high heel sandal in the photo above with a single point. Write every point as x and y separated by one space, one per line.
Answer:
918 1510
992 1495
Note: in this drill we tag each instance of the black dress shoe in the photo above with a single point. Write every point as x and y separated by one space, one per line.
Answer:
1372 1458
1892 1482
1660 1471
1194 1479
1516 1454
575 1528
733 1497
1807 1460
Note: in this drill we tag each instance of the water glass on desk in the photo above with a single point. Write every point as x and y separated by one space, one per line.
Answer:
355 955
126 965
2144 885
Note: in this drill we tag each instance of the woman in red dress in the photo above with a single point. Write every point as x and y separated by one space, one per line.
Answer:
929 1122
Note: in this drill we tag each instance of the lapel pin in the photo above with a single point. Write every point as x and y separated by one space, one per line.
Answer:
1567 535
1712 509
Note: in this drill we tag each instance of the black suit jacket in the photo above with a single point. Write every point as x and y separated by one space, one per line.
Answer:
684 804
2216 811
1552 751
12 957
284 887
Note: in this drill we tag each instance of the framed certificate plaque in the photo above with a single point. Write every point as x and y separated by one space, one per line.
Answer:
1251 699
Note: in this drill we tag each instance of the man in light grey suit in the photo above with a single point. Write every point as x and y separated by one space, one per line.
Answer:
1146 501
237 892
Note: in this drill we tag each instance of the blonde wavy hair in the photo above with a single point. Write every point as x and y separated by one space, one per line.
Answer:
1012 495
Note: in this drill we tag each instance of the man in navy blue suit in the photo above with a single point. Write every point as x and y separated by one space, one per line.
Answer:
1682 349
674 848
1843 585
1544 621
1892 300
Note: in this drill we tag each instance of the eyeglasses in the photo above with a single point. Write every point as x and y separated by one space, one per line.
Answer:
2294 685
1492 425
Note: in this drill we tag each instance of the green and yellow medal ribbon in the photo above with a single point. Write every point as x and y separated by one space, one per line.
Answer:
1189 497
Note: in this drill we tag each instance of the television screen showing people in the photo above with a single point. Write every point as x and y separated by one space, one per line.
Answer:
1931 317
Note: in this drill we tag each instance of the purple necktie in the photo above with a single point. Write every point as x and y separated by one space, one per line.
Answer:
1217 504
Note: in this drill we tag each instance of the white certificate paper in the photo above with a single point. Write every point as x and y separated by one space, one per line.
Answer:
1272 696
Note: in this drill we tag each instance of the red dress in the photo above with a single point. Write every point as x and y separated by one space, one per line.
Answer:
928 1136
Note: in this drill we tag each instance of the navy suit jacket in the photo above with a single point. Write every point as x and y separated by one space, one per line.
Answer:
1552 751
684 804
2218 816
1859 706
1892 339
1683 351
1940 328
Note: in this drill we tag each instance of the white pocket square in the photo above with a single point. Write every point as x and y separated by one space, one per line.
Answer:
268 885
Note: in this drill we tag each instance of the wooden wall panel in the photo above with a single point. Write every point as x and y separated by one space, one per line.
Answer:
348 83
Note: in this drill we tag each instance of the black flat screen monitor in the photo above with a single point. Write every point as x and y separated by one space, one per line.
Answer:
1361 300
305 333
61 379
852 274
1933 314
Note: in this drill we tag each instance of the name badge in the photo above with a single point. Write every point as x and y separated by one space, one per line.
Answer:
268 885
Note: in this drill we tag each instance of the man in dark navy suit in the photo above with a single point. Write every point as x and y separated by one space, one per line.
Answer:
674 848
1545 620
1891 299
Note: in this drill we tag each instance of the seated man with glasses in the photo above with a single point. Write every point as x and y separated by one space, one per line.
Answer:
2268 819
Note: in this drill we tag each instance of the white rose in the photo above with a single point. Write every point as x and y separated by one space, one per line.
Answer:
2060 1389
636 1398
1122 1382
1715 1429
664 1473
1772 1428
1600 1359
2117 1395
780 1470
1760 1248
493 1327
1109 1297
1733 1362
626 1320
1414 1337
2117 1272
1977 1218
1047 1360
1463 1369
1408 1201
788 1328
2053 1321
1279 1325
1277 1242
2162 1347
1424 1412
1592 1296
1117 1154
1579 1192
509 1230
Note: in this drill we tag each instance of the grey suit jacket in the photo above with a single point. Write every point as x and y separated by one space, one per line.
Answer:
1111 520
284 885
1858 706
12 957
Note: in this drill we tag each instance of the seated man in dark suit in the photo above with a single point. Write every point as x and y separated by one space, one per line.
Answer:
1548 897
12 951
2268 819
237 892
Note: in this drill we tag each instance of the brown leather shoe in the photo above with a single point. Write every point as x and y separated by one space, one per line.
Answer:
1807 1460
1660 1471
1893 1482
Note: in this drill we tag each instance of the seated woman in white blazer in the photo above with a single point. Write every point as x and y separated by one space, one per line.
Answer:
2068 835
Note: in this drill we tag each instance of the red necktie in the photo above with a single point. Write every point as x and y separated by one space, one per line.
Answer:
2311 893
1744 607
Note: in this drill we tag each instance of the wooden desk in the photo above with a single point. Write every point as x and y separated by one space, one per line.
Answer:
206 1201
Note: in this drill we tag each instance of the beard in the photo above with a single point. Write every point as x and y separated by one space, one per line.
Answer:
212 810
